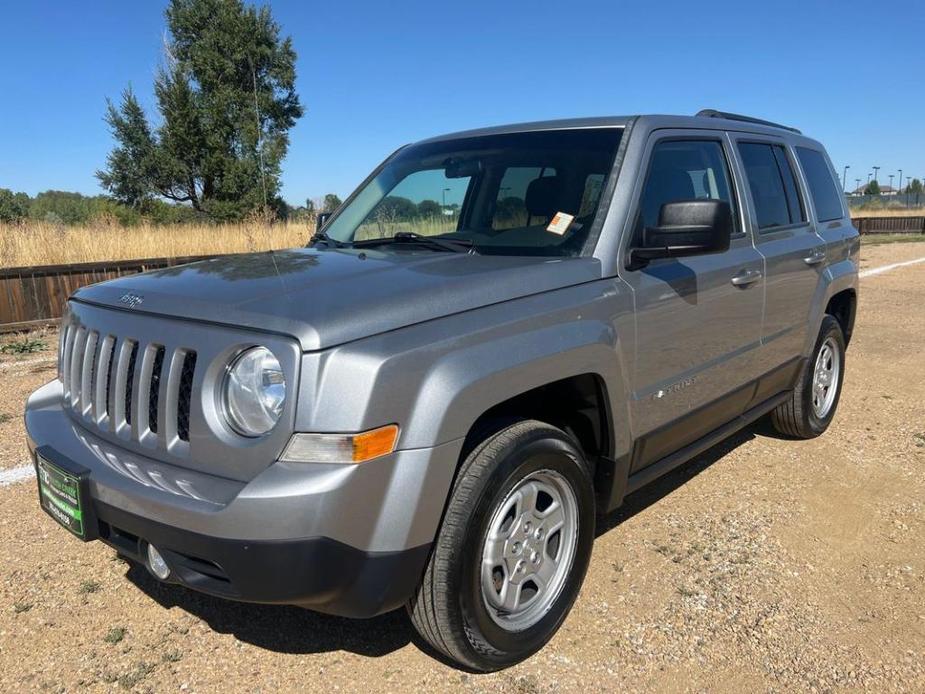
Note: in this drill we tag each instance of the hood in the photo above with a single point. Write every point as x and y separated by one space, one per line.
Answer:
325 297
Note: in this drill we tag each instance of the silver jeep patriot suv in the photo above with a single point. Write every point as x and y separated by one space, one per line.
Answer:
497 337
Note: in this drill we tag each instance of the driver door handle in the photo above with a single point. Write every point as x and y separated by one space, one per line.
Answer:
743 279
816 257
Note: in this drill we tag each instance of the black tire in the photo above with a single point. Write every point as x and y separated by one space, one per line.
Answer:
448 609
796 417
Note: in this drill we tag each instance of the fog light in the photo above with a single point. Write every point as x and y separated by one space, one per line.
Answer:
156 563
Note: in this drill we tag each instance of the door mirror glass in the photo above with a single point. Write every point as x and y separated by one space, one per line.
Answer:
687 227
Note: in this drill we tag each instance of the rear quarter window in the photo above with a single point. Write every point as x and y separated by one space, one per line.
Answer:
822 188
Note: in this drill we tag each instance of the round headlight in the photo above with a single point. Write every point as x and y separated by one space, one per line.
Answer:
254 392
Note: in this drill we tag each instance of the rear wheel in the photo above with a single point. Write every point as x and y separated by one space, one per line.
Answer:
513 549
811 407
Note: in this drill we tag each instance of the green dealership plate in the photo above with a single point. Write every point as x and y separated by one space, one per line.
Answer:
63 497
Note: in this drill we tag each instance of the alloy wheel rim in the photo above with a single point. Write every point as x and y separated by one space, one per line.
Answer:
529 549
825 377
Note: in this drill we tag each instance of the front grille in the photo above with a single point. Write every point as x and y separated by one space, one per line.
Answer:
111 381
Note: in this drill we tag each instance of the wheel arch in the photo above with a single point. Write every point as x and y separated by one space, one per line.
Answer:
843 307
837 290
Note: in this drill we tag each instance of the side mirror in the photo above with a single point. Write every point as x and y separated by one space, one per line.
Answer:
321 220
686 227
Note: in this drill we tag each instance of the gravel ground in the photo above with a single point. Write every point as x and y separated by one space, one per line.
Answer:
764 564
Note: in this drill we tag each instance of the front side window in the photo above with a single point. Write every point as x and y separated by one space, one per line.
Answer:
528 193
772 185
826 198
684 170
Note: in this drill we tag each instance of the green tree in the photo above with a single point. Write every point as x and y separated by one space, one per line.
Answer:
226 98
395 208
14 207
331 203
873 188
429 208
915 186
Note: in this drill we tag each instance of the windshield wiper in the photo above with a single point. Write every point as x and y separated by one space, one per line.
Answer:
443 244
322 237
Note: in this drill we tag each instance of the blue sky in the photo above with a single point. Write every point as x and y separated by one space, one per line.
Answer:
374 75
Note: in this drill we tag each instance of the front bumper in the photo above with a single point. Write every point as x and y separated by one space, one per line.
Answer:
318 573
348 540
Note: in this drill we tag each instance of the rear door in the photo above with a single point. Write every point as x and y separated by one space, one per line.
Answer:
830 214
794 254
698 318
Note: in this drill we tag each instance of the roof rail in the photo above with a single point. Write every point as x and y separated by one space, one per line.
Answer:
713 113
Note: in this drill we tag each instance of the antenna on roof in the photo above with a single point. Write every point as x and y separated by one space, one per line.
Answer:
713 113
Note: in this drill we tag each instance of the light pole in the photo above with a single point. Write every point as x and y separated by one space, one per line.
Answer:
844 178
900 180
891 183
858 181
869 174
876 170
445 191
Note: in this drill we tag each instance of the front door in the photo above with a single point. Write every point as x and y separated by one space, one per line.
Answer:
698 318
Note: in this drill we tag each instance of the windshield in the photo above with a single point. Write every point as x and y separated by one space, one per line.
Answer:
530 193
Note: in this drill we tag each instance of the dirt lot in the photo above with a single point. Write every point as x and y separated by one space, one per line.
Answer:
765 564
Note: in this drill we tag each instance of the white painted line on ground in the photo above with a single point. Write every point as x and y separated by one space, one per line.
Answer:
16 474
886 268
27 362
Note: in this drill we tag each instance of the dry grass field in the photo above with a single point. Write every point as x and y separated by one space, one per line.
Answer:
888 212
38 243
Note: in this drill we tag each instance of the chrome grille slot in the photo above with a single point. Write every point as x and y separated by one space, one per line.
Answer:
67 346
62 341
128 405
87 367
76 359
155 388
117 404
102 378
185 394
107 407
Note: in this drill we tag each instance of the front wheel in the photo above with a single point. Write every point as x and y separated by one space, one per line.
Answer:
513 549
811 407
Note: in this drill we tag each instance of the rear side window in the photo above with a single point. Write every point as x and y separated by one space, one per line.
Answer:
826 198
772 184
684 170
794 203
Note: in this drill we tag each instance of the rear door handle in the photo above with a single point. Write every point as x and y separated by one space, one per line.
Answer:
815 257
743 279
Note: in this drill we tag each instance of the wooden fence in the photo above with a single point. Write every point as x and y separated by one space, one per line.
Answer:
890 225
35 296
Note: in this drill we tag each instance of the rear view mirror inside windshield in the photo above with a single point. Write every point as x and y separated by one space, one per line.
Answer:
459 168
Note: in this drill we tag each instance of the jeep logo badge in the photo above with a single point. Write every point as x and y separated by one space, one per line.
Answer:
132 300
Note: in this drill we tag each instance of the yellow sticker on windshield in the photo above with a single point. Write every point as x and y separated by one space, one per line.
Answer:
560 223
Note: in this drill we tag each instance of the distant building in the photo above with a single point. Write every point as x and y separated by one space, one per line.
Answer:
884 190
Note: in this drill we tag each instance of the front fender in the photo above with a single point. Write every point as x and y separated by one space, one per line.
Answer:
464 384
435 379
